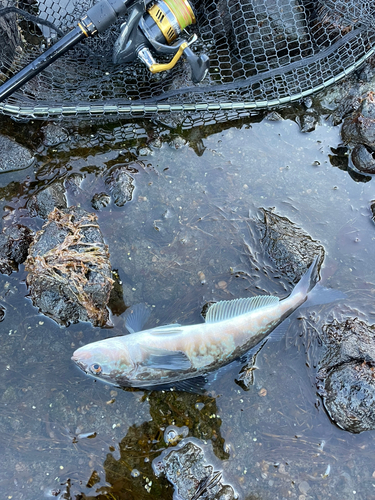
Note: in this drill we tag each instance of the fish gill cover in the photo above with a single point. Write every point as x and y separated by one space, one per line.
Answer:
262 53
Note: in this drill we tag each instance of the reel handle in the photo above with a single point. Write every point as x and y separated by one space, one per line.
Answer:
199 64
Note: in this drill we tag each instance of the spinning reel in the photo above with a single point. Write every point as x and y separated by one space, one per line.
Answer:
157 30
148 30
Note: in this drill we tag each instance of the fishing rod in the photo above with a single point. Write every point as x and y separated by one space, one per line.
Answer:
150 29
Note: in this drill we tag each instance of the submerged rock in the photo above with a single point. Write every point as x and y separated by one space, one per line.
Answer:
14 245
69 273
54 134
9 37
100 200
13 156
47 199
188 469
120 184
363 159
359 128
347 374
288 246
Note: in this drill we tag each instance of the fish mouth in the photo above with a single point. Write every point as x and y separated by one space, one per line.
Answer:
80 364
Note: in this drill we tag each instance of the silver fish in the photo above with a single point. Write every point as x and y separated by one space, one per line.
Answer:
172 353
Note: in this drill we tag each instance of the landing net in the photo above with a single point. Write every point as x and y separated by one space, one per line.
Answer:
263 53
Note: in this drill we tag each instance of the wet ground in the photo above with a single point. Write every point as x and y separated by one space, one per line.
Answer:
187 238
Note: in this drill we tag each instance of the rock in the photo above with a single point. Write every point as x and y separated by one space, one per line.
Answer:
100 200
13 156
350 396
187 468
54 135
14 245
47 199
288 246
69 273
9 37
73 184
363 159
359 128
120 184
308 121
346 374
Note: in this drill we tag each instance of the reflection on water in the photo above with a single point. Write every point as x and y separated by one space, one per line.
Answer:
187 238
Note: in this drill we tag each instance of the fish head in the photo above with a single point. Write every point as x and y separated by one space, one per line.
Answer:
104 360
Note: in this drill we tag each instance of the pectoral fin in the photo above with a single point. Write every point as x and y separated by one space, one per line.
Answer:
136 317
194 385
164 359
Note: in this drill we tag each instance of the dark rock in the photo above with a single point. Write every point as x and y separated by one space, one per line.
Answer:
14 245
363 158
116 302
13 156
54 135
350 396
359 128
69 270
288 246
47 199
120 184
73 184
187 468
347 374
308 121
9 37
100 200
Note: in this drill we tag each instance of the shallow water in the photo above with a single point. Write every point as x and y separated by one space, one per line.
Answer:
187 238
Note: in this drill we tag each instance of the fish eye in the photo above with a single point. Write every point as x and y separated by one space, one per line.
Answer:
96 369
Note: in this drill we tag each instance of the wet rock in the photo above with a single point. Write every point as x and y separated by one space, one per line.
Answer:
54 135
350 396
191 473
359 128
2 312
73 184
372 208
14 245
69 273
116 299
47 199
308 121
100 200
347 374
120 184
177 142
363 159
288 246
9 37
174 434
13 156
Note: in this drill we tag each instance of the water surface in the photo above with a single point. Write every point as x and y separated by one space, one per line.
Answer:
186 239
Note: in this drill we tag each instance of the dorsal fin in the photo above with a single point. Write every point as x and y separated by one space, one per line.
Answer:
228 309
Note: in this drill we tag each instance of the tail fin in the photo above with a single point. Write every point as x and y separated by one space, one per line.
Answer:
320 294
309 279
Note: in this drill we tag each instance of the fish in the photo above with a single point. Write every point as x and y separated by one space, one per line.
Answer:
172 354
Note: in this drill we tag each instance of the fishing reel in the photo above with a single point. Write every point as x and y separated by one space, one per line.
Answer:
156 30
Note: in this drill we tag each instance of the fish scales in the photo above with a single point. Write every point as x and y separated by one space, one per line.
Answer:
173 353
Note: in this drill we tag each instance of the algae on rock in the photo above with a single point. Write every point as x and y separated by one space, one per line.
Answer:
69 272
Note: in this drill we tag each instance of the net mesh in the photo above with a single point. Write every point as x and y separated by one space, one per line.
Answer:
262 53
